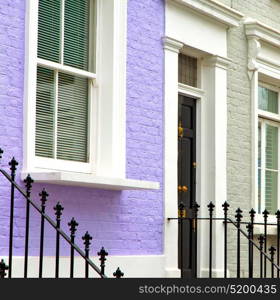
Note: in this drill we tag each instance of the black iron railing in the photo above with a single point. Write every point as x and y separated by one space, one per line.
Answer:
55 225
243 229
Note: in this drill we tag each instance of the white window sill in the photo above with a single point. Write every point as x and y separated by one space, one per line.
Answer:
92 181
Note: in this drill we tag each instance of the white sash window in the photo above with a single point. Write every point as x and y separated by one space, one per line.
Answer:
268 149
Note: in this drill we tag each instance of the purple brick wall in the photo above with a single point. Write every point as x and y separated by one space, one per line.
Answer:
126 222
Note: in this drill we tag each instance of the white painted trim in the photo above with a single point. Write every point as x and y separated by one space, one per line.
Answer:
65 69
190 91
133 266
108 101
172 48
260 37
171 44
211 118
262 32
90 180
215 10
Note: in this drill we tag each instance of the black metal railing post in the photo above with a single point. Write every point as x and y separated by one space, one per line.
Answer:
73 228
261 241
87 238
13 164
3 267
225 208
28 184
252 219
58 212
102 253
272 252
211 210
250 250
181 216
278 240
44 196
194 229
118 273
265 216
238 217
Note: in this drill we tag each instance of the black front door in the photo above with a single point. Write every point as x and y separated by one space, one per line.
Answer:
186 183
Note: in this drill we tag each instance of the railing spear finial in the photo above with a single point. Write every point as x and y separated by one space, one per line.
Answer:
28 184
3 269
118 273
102 253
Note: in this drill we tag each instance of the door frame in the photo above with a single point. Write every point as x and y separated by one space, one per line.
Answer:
172 89
211 153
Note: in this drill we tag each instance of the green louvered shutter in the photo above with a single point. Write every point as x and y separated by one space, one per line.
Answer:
62 122
49 26
76 33
45 112
72 120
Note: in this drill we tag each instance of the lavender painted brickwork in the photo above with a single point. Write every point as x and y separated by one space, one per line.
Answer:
128 222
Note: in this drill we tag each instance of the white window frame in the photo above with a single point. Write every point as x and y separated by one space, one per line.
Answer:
108 94
264 123
273 119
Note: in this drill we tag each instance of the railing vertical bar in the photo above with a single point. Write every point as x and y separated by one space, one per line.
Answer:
238 219
272 252
261 241
87 238
265 216
58 212
44 196
225 207
73 227
278 240
28 183
195 228
211 209
250 260
181 215
13 163
252 217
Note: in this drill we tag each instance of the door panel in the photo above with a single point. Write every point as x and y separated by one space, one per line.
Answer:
186 182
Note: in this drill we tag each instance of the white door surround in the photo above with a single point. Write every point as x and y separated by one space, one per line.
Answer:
207 37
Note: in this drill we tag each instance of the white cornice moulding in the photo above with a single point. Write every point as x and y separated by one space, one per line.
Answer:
217 61
257 34
172 44
260 31
214 9
91 181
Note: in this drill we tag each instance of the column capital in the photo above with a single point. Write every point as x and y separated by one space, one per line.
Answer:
171 44
217 61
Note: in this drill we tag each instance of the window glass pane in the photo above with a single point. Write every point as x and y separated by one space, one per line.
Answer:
76 33
187 70
72 119
45 113
271 179
268 100
49 30
271 150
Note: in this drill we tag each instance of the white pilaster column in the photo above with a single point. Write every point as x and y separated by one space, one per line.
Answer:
215 167
171 48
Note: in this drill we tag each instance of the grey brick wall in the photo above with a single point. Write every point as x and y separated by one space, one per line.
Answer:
239 112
